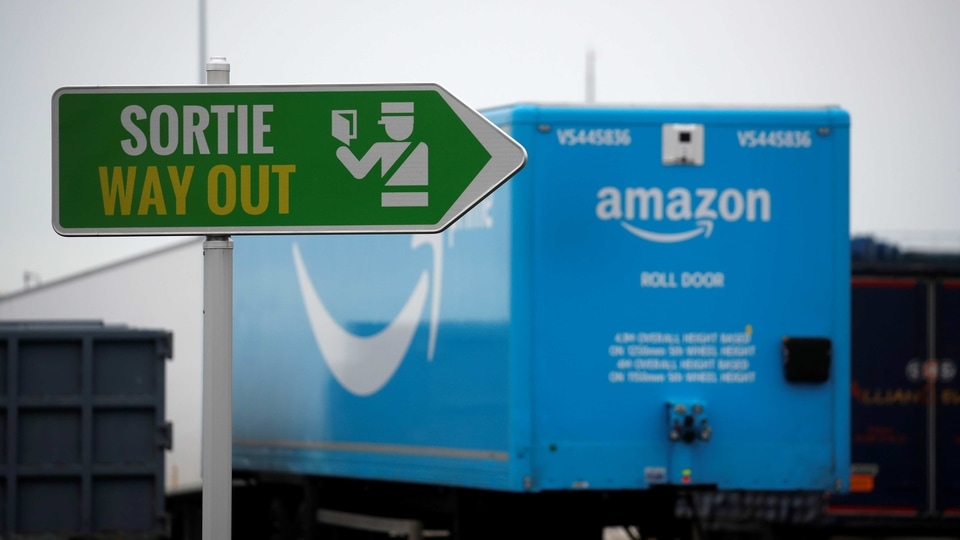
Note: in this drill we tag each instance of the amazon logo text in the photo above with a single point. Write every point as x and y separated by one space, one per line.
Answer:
699 206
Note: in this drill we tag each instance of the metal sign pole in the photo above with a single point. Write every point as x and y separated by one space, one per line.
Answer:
217 451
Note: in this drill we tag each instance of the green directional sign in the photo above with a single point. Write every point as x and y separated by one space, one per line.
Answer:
270 159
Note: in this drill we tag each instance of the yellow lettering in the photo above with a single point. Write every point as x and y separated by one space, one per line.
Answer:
180 186
229 192
950 397
284 185
263 192
114 190
152 194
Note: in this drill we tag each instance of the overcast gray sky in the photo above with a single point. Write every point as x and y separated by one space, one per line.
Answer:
894 65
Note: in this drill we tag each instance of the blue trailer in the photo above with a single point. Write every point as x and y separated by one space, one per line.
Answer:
658 302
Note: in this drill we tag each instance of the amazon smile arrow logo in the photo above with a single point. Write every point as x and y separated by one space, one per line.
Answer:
704 227
364 364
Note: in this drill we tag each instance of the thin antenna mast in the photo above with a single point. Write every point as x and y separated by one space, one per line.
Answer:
203 41
591 77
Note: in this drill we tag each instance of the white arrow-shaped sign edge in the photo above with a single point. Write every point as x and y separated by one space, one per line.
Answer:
507 157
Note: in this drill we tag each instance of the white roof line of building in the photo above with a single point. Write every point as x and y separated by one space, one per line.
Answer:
98 269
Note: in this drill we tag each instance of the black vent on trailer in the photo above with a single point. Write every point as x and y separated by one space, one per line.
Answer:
807 359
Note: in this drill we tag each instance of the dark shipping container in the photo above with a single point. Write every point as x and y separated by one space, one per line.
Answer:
82 430
905 396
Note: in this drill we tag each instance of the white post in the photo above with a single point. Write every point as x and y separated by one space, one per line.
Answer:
217 450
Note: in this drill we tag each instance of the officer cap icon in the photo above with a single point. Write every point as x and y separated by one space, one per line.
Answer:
394 107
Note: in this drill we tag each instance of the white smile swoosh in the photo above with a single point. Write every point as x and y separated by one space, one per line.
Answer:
361 364
704 227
